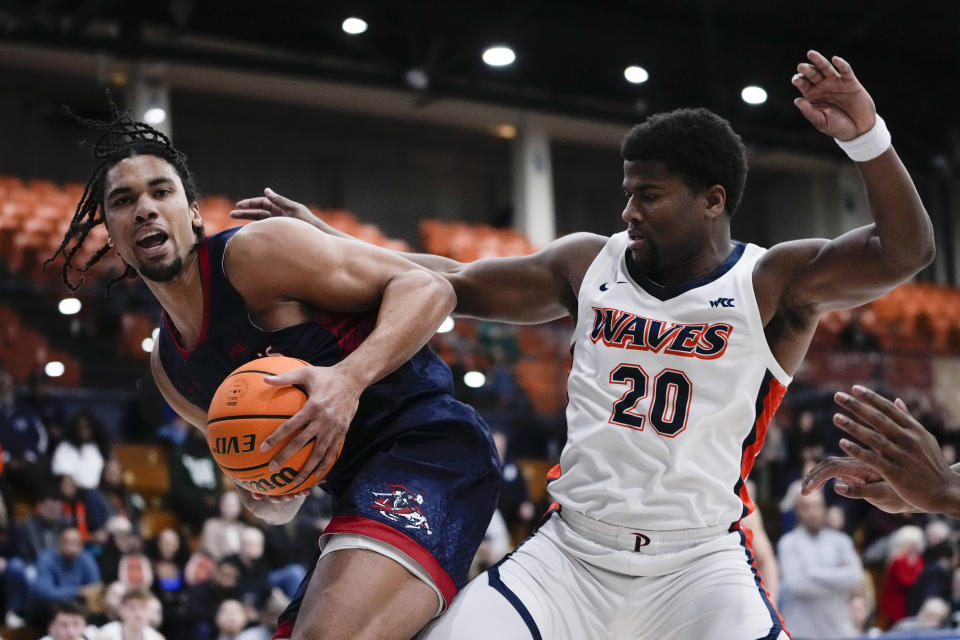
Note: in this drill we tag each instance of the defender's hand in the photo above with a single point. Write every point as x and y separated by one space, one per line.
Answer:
332 400
271 205
856 480
898 448
833 100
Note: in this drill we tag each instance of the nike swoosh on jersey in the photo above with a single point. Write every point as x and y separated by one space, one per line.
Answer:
604 286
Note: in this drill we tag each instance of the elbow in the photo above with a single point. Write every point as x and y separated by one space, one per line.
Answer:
441 291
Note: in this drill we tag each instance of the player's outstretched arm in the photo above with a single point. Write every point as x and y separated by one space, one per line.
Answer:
898 465
281 262
527 290
865 263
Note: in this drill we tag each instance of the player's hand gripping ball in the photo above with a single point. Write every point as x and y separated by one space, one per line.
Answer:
243 412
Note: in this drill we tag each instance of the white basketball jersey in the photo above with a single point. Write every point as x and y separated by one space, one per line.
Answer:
670 395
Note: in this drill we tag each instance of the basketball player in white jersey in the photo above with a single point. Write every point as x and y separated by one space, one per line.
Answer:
684 344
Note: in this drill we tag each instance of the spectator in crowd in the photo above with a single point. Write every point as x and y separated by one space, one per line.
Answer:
935 532
24 441
819 569
194 480
8 549
79 454
204 598
294 543
254 578
122 544
37 534
861 615
69 622
85 509
933 614
133 622
112 596
496 544
267 619
514 503
231 619
169 553
155 613
67 572
120 500
221 535
954 598
904 565
936 579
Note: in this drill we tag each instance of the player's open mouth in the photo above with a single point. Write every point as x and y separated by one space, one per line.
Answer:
152 243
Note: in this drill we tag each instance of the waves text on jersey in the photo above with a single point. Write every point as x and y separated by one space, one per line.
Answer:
625 330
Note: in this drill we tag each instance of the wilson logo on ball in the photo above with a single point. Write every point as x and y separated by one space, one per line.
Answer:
277 480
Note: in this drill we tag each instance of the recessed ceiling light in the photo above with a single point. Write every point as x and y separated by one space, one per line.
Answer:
753 95
69 306
635 74
154 115
54 369
354 26
499 56
474 379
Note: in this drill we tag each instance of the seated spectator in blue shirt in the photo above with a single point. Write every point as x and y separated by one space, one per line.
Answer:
66 573
24 441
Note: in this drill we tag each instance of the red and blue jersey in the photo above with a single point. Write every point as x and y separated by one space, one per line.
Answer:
229 339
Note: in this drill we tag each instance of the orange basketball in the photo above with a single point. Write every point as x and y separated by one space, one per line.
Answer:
243 412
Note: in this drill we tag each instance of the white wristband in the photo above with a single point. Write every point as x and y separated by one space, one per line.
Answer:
869 145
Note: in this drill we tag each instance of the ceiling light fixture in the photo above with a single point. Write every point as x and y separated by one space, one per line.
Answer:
499 56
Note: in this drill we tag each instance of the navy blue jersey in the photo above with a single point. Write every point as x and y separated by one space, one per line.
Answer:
418 470
229 339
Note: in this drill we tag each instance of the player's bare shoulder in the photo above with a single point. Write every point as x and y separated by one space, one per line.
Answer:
263 252
775 274
571 256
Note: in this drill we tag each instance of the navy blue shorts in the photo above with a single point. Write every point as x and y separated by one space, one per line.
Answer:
428 488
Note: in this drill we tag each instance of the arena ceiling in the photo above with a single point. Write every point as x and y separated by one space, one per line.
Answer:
570 55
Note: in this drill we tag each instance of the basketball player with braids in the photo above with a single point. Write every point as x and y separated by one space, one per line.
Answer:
361 316
684 344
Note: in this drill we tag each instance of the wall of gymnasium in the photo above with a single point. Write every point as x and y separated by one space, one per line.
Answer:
395 172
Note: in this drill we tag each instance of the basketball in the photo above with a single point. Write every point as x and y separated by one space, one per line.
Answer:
243 412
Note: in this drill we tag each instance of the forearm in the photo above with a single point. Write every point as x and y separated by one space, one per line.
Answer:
413 306
902 226
437 264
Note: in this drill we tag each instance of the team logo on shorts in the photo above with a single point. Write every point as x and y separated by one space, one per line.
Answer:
641 541
398 504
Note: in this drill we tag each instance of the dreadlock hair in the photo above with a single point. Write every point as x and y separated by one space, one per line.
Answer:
123 137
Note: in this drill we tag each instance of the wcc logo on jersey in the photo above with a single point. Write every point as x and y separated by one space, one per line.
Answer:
398 504
625 330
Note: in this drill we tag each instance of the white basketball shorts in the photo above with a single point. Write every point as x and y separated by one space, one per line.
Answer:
561 585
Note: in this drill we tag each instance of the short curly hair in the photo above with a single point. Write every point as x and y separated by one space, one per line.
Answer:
695 144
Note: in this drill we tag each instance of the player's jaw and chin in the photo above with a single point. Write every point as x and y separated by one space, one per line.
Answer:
162 262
